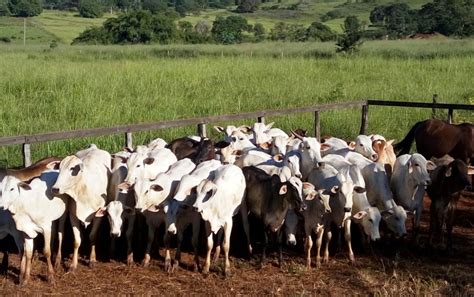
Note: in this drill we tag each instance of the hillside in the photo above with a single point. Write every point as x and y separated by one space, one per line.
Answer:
65 26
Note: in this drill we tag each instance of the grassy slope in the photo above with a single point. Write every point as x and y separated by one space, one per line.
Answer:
65 26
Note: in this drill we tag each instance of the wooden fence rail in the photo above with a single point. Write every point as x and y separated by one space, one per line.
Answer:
27 140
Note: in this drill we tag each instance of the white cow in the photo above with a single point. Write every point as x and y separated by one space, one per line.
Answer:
340 184
409 180
310 150
34 208
150 197
217 201
157 144
263 134
84 177
146 165
366 216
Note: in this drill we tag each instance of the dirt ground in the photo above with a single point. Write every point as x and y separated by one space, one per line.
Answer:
382 271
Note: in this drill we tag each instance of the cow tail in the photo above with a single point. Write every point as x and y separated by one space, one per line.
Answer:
403 147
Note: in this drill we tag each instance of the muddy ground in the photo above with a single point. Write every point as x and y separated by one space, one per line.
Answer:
413 270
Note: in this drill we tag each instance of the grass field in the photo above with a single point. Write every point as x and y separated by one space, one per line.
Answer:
84 87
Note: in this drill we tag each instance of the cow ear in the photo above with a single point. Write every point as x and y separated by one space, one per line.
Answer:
448 172
156 188
325 147
269 126
430 166
387 214
128 149
359 190
265 145
360 215
222 144
238 153
410 167
24 186
335 190
148 161
278 157
219 129
308 186
101 212
53 165
245 129
470 170
390 142
283 190
351 145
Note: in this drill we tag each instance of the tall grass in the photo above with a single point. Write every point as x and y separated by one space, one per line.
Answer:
75 88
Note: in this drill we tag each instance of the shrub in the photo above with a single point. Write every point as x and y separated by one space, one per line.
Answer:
90 9
320 32
5 39
25 8
229 30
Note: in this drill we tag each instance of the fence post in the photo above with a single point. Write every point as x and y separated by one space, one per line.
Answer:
261 119
317 125
364 120
201 130
26 155
128 140
450 115
433 109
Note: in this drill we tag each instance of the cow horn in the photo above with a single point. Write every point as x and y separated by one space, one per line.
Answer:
296 135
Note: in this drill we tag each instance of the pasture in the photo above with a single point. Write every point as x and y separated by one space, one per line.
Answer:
69 88
86 87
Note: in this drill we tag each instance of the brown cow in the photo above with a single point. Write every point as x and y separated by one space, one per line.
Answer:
197 151
449 181
435 138
29 172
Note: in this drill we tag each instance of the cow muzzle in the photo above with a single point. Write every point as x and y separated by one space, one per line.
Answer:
55 191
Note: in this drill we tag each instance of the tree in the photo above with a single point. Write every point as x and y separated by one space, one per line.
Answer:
320 32
448 17
279 31
229 30
349 42
4 11
90 9
25 8
400 20
155 6
259 32
246 6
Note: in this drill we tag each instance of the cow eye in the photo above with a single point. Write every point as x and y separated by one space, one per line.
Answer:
146 192
12 189
138 165
361 144
308 147
241 138
371 221
417 165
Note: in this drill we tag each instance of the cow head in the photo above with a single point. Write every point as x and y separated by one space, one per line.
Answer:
115 213
149 194
71 170
205 151
457 173
11 187
369 219
260 135
136 164
395 220
363 145
310 148
204 191
418 169
292 160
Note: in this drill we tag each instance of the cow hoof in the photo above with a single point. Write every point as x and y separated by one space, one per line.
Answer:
71 269
51 280
92 264
261 265
146 264
227 273
57 265
195 267
205 270
130 260
325 260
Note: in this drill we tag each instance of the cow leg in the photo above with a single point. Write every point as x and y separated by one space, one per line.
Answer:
433 222
47 254
326 248
177 256
26 262
226 245
264 250
129 237
4 268
77 240
347 237
245 224
195 242
93 238
62 222
149 242
319 242
166 241
210 245
416 225
217 252
308 245
280 247
449 226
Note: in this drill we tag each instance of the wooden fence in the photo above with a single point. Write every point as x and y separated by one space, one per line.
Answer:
27 140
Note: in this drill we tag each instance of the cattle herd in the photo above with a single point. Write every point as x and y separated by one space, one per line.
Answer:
287 182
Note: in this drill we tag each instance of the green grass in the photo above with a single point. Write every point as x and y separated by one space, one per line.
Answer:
12 28
68 88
